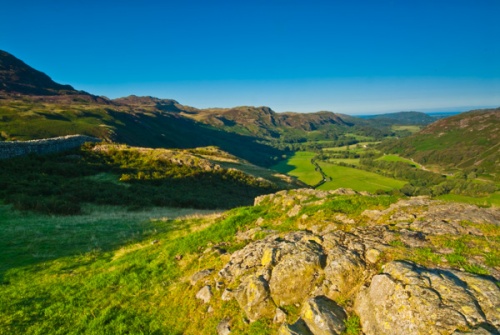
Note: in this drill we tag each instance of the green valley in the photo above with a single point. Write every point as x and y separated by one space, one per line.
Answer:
178 220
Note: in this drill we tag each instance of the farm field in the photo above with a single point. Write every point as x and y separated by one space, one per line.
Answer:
412 129
358 180
350 161
396 158
358 147
300 166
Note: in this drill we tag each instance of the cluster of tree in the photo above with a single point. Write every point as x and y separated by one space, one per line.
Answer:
421 182
376 133
314 146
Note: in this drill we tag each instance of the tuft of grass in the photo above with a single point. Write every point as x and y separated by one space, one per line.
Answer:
476 269
352 325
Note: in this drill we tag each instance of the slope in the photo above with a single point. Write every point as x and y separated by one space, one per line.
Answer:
469 141
18 77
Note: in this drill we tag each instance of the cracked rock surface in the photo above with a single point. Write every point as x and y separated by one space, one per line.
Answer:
314 269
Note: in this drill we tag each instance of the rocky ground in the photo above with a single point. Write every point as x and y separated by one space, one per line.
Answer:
417 266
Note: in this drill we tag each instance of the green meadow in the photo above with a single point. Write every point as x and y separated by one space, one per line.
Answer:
488 201
111 271
359 180
412 129
358 147
299 165
396 158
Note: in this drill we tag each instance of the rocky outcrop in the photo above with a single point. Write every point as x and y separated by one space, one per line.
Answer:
318 268
323 316
410 299
254 298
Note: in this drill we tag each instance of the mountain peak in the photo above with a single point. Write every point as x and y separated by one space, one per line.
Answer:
18 77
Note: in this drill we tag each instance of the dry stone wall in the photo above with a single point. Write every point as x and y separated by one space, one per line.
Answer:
43 146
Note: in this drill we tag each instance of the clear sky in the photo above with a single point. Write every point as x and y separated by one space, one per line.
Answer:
346 56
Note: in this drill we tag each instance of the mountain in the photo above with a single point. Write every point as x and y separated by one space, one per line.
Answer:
468 140
263 121
18 77
407 118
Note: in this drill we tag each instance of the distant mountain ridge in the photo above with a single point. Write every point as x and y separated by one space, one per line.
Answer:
33 106
410 118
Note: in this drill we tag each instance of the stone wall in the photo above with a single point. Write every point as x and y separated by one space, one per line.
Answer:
43 146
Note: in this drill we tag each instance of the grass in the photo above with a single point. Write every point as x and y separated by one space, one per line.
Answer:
359 180
411 129
358 147
136 177
299 165
490 200
110 271
396 158
350 161
30 239
352 325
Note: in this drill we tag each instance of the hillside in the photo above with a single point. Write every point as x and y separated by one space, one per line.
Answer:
406 118
263 121
111 174
297 262
35 117
18 77
32 106
468 141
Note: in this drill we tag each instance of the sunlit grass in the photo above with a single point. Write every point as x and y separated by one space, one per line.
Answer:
359 180
299 165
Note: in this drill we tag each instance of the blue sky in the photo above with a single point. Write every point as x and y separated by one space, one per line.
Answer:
354 57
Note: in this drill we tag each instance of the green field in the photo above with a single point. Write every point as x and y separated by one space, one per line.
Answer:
356 179
299 165
358 147
350 161
396 158
412 129
491 200
360 137
111 271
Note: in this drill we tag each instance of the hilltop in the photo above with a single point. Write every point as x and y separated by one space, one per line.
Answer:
263 121
408 118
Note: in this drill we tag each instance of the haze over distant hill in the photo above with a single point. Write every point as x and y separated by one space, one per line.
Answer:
410 118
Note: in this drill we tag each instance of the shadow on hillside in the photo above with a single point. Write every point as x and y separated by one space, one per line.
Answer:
284 168
173 131
30 240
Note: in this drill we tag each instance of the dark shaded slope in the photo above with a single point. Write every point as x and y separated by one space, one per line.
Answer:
18 77
164 130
